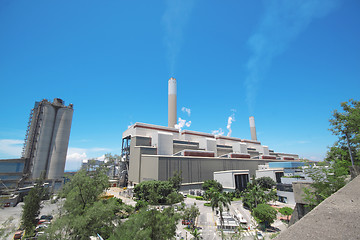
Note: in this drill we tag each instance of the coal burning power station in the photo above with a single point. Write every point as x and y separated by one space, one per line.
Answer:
152 152
45 146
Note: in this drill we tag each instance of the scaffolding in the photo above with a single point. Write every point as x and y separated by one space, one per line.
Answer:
125 156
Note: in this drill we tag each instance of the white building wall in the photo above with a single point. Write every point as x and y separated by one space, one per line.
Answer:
163 141
226 179
288 195
209 144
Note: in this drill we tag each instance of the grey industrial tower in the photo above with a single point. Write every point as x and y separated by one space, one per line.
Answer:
47 139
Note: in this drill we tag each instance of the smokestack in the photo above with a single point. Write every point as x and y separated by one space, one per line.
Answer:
172 117
252 128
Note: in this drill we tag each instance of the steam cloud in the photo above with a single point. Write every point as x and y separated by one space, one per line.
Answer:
282 22
230 120
218 132
186 110
174 20
181 123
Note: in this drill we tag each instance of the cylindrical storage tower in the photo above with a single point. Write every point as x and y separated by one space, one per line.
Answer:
60 143
41 155
172 116
252 128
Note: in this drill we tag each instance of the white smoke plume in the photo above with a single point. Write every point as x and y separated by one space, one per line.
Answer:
230 120
181 123
218 132
282 22
174 20
186 110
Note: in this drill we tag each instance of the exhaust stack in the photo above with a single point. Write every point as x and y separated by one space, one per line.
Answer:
252 128
172 116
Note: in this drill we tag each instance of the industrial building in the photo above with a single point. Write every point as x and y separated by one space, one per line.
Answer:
45 146
153 152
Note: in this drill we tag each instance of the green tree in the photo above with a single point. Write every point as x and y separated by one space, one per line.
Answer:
212 184
196 234
346 125
83 213
31 208
157 192
148 224
176 180
264 214
255 195
326 181
191 213
286 211
265 182
220 201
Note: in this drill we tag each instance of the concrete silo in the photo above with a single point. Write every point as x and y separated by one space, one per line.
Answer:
59 143
44 135
46 140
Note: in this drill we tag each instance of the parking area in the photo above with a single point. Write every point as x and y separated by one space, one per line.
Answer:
10 217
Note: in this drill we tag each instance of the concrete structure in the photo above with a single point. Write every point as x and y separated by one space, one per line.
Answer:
11 171
252 128
284 174
233 179
337 217
172 105
47 139
154 152
45 146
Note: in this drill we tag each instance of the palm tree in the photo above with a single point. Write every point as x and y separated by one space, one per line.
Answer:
196 234
221 201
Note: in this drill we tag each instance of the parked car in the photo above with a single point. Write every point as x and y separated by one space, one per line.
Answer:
259 235
41 228
47 217
18 234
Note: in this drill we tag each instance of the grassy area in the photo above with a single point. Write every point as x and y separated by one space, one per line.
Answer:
191 196
195 197
236 199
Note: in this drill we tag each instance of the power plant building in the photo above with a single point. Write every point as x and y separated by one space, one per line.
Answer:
155 152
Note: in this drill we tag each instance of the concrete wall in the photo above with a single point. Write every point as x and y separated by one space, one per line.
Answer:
298 188
139 145
227 178
193 169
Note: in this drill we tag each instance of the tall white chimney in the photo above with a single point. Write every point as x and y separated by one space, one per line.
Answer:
172 116
252 128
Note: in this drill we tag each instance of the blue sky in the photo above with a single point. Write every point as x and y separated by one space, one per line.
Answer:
287 63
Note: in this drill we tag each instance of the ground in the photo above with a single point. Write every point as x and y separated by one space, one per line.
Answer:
206 220
14 215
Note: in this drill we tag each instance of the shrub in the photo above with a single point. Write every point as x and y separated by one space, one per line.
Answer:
199 198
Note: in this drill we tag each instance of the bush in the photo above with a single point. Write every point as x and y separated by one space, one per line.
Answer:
212 184
207 204
199 198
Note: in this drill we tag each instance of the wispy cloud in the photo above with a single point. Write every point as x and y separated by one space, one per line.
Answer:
283 21
186 110
176 16
11 147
